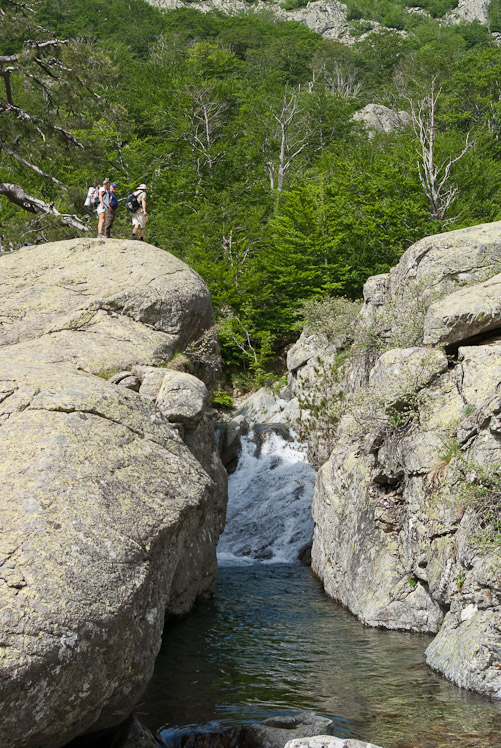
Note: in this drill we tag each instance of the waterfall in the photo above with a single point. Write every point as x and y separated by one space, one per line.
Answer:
269 508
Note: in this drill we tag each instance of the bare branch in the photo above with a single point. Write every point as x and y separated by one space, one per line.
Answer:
49 43
29 165
69 137
434 178
18 196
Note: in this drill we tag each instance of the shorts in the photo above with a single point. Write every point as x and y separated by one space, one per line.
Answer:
139 219
100 209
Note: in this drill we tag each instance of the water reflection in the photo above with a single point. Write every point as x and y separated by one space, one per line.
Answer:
270 642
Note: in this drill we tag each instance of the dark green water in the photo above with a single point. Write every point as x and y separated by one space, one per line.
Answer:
270 642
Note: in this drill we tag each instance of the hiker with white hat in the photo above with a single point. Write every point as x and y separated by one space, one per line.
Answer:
140 216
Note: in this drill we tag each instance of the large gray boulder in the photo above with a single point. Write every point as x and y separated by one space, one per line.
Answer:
109 519
99 304
469 10
399 536
465 314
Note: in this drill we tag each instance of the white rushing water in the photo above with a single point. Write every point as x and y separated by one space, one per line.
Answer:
269 508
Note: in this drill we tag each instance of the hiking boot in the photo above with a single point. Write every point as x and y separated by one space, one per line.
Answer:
141 238
133 236
100 236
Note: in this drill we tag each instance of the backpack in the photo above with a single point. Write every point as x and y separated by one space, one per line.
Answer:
94 198
132 203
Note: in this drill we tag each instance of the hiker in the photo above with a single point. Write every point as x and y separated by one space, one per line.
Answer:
110 212
139 217
104 201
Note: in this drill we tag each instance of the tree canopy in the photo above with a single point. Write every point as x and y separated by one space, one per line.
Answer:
242 128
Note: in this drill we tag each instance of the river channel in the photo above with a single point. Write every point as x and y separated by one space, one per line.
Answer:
270 642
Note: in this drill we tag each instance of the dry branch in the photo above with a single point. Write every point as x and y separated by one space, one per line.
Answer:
19 197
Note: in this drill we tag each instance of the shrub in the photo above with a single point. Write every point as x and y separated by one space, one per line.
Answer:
332 316
400 321
222 400
473 488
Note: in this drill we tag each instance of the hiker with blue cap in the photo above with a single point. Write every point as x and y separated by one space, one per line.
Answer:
111 210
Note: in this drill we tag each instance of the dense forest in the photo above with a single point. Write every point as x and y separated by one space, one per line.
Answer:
242 127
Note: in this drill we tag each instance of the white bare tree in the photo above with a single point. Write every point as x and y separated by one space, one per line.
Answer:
435 177
293 133
341 80
207 122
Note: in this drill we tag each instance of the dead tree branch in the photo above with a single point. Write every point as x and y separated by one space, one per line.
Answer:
435 178
19 197
29 165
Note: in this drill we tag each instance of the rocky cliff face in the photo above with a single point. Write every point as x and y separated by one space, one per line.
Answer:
329 18
112 493
326 17
407 507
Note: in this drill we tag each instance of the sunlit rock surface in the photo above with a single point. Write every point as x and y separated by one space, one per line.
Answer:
396 539
108 519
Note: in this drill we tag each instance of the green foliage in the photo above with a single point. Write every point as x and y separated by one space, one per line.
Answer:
294 4
133 23
472 487
279 384
393 13
179 362
436 8
222 400
386 12
494 16
412 582
106 373
480 492
400 323
188 102
331 316
460 578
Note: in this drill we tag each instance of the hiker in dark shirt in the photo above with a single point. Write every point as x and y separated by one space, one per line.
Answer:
111 210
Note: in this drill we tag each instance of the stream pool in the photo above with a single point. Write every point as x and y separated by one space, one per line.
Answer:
270 642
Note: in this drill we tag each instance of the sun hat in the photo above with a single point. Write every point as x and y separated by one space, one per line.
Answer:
142 187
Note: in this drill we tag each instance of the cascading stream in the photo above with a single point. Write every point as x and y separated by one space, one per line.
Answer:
269 509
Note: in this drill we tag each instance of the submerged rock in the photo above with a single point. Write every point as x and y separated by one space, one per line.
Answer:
327 741
274 732
109 521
